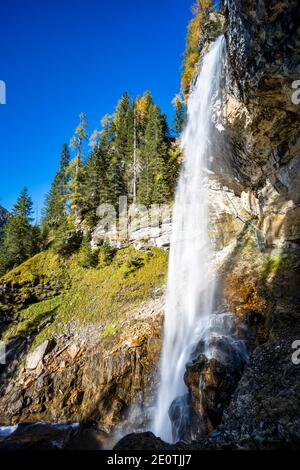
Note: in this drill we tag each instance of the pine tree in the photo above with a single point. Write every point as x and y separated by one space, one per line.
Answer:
143 105
135 152
180 115
172 169
120 148
3 219
94 184
88 258
21 239
106 151
75 168
55 209
152 187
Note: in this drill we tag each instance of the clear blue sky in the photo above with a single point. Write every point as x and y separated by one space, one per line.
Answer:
63 57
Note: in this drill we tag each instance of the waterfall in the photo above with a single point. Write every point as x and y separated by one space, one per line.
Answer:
190 287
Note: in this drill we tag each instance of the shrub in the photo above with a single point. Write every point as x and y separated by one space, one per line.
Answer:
106 255
67 243
133 265
88 258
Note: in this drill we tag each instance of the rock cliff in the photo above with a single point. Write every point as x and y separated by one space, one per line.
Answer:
261 119
261 122
255 227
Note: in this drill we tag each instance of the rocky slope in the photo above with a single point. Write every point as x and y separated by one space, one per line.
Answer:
82 345
85 375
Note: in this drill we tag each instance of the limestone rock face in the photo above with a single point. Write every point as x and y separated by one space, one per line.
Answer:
263 60
264 410
144 230
257 166
261 117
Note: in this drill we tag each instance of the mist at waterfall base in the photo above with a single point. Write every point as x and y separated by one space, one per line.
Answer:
191 285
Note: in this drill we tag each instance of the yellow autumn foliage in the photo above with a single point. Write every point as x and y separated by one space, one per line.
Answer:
143 104
186 79
201 10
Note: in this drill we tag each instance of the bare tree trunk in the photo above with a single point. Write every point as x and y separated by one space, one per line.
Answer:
134 157
78 163
77 210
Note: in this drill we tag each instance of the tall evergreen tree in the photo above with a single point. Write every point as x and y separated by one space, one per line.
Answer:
121 148
21 239
172 168
180 115
75 168
152 187
4 214
95 184
143 105
55 209
135 153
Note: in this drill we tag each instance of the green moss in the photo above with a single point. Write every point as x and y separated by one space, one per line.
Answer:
45 264
110 330
31 318
277 262
100 295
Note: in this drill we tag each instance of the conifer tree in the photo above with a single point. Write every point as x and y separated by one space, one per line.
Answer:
122 127
75 168
152 187
172 169
95 183
135 161
55 209
143 105
106 150
180 115
21 239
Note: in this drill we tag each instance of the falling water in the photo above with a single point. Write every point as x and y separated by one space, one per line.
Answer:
190 289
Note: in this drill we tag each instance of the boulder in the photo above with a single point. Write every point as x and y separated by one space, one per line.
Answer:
211 384
145 441
35 357
185 422
73 350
